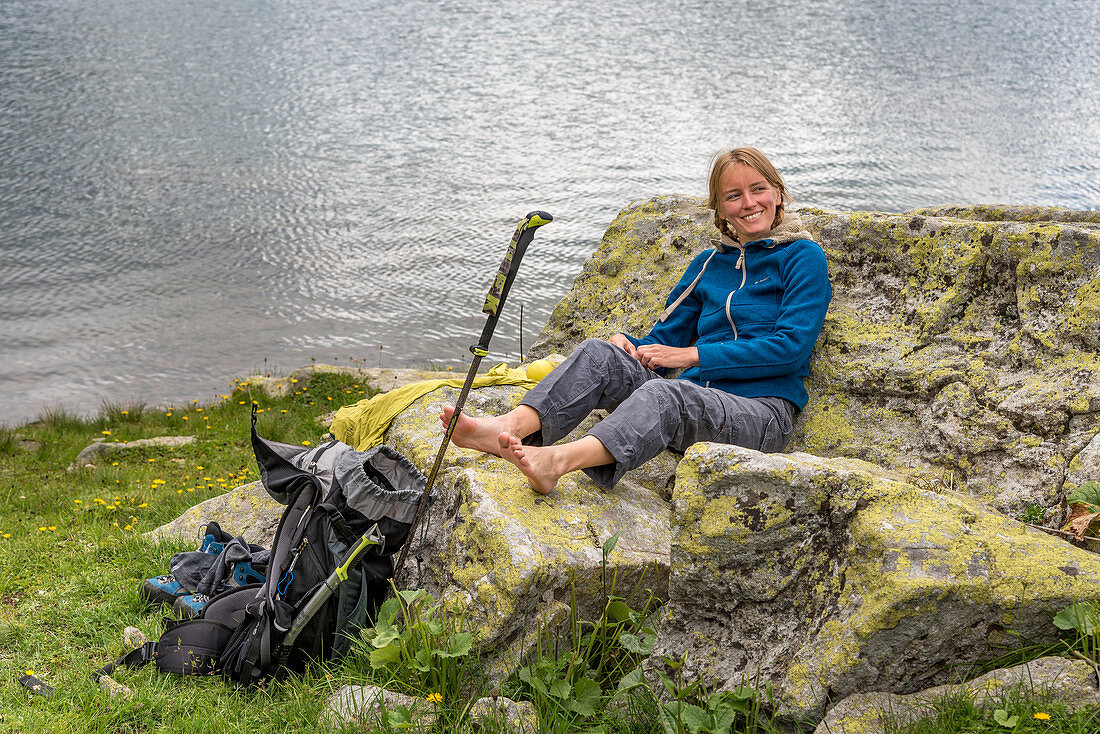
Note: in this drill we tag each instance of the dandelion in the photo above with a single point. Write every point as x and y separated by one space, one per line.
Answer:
52 528
294 379
106 433
79 502
1042 716
114 463
185 417
435 697
126 412
151 460
282 411
144 504
168 414
30 672
42 529
198 410
7 535
306 443
240 402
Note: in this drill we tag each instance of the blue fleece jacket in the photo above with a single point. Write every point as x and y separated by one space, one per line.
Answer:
754 317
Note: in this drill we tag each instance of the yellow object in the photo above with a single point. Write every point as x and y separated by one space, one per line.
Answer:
539 369
362 425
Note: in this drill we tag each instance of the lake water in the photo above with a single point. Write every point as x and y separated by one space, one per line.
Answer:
191 192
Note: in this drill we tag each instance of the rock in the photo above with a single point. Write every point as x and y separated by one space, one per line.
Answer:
962 345
829 577
514 555
371 706
1070 682
133 637
113 688
504 715
248 511
87 457
384 379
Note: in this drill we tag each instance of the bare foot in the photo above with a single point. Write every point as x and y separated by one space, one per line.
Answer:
473 433
536 462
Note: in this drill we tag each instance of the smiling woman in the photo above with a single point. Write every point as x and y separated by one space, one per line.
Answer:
746 346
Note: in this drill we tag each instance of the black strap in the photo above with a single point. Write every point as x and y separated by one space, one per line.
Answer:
133 659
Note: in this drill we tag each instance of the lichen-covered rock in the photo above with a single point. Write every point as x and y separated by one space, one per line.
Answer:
247 511
1070 682
95 450
504 715
512 554
370 706
962 349
829 577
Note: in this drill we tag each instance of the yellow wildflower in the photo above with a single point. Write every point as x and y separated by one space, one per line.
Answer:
1042 716
435 697
106 433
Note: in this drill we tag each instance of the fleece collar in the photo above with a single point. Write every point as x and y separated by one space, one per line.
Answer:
789 230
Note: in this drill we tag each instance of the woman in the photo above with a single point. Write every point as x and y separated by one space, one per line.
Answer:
742 321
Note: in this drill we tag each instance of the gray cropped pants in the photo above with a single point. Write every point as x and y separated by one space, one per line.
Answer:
648 413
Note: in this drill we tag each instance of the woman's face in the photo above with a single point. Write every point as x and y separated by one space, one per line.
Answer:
748 201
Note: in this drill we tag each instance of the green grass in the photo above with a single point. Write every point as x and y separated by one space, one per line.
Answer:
1017 712
72 558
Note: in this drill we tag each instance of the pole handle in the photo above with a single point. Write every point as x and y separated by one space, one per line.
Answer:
506 273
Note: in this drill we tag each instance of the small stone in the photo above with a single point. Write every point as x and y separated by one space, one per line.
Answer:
504 715
134 637
370 705
113 688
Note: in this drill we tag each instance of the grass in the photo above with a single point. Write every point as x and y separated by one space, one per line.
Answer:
1018 711
73 555
72 558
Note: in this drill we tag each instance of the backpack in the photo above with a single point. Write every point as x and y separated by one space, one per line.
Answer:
347 513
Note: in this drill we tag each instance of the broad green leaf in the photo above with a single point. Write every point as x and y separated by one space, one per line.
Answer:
389 610
609 544
724 718
399 717
410 596
630 681
637 645
460 643
744 693
587 697
618 611
1002 717
560 688
1084 618
385 634
383 656
694 718
435 627
1086 494
422 661
534 681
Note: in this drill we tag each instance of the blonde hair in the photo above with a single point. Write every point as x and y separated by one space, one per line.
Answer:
758 162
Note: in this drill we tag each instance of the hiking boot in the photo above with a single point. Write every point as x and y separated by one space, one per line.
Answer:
163 589
187 607
214 538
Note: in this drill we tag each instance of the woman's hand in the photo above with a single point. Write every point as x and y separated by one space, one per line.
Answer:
623 343
658 355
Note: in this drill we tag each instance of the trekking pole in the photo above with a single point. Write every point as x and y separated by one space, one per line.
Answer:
494 304
326 590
